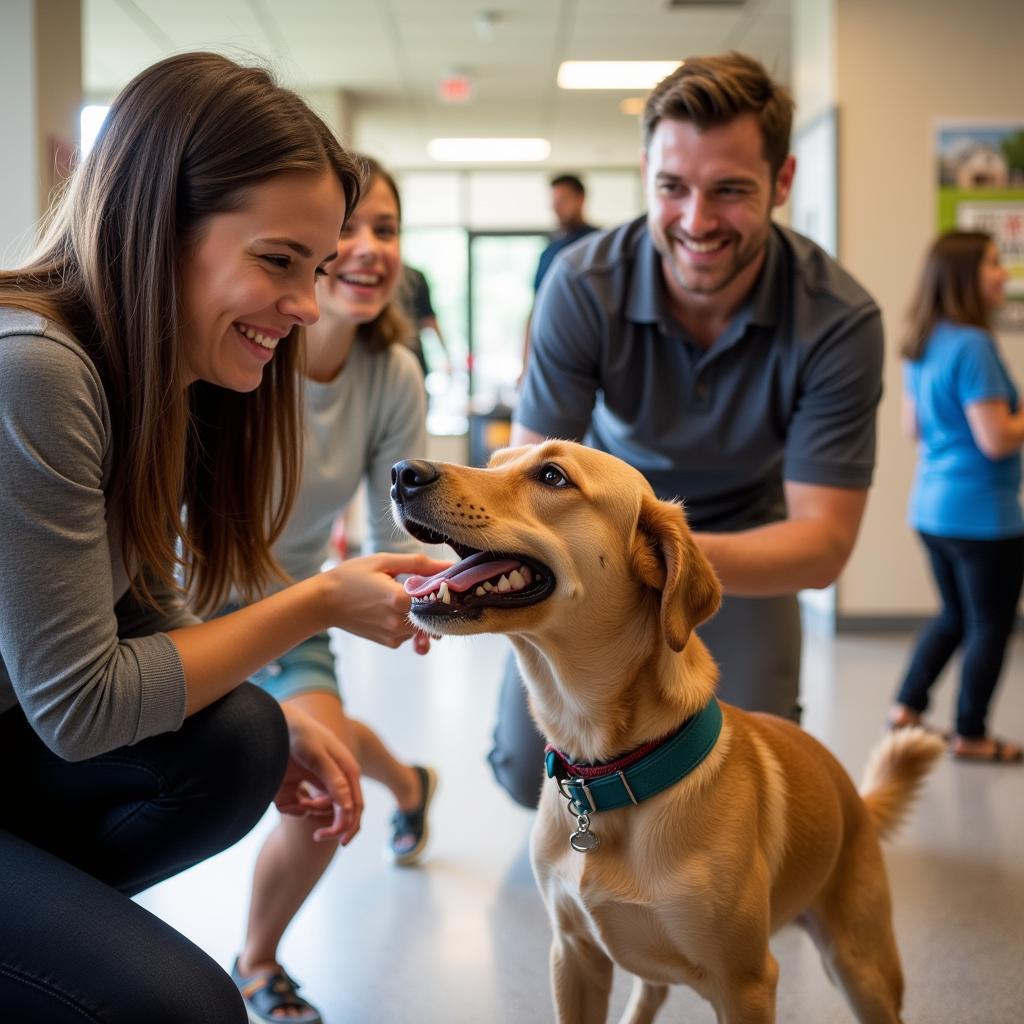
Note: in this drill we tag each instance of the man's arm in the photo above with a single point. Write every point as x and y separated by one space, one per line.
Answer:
806 550
523 435
809 549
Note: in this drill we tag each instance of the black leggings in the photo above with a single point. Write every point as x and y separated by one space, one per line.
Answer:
979 582
78 839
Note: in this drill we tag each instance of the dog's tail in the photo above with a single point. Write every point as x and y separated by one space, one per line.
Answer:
894 773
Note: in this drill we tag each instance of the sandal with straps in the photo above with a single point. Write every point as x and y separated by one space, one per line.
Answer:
902 717
268 991
409 831
1000 752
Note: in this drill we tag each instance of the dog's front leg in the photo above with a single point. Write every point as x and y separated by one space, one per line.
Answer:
581 979
748 997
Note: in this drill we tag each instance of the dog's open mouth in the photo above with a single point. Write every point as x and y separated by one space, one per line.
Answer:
481 579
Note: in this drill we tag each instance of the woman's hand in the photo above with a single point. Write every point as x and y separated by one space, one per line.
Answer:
322 778
368 601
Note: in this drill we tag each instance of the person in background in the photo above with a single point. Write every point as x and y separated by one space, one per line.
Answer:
415 297
730 360
365 411
962 407
148 355
568 198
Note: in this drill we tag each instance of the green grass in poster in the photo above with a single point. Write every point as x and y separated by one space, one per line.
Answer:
950 198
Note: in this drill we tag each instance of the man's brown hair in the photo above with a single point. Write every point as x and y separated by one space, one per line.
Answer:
710 91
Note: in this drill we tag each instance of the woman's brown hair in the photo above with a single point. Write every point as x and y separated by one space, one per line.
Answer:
949 289
391 325
185 140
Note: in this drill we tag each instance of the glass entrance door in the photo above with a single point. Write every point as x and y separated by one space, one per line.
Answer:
501 271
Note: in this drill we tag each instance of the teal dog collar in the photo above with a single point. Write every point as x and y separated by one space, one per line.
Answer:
628 780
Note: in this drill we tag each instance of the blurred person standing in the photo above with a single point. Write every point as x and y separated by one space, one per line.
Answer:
414 292
962 407
568 198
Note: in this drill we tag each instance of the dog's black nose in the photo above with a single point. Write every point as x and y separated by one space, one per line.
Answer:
410 477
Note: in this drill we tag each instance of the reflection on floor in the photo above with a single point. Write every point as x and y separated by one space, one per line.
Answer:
464 939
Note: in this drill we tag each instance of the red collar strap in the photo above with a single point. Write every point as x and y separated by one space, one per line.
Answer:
593 771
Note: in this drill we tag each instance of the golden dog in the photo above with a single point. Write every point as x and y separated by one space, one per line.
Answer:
599 586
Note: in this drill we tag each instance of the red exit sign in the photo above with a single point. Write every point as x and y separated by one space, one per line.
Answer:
455 89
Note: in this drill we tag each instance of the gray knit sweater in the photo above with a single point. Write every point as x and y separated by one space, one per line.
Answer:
91 668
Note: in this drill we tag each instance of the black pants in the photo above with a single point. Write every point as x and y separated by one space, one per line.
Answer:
979 583
756 642
78 839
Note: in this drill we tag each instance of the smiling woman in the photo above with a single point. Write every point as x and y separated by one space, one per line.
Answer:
250 279
148 356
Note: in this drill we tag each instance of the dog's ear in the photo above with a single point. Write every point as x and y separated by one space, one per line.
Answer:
666 558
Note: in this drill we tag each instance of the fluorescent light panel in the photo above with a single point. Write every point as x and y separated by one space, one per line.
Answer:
472 150
614 74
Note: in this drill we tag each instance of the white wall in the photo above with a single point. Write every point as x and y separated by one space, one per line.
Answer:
40 103
19 166
899 66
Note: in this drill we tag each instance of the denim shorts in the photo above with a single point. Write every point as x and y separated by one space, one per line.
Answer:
309 667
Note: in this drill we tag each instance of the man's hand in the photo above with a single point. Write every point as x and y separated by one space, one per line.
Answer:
322 778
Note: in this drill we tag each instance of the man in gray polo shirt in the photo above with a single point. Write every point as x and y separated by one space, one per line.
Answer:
730 360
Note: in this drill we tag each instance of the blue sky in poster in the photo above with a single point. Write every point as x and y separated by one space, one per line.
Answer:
951 139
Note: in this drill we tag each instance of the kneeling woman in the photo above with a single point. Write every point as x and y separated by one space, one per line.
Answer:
147 365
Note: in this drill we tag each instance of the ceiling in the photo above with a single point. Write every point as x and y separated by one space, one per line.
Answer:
386 58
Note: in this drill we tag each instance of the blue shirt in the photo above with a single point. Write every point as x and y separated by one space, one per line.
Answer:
558 242
788 392
958 491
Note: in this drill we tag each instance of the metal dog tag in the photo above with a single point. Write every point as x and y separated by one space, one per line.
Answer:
583 840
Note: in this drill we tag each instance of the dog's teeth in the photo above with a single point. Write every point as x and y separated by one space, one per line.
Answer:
480 592
515 579
503 585
488 586
525 573
443 592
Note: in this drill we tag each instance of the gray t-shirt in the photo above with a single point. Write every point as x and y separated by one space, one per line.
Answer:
788 392
91 668
357 426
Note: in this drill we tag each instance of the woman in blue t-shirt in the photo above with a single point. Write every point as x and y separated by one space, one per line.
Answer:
962 406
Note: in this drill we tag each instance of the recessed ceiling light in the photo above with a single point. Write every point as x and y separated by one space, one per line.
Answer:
614 74
633 105
488 150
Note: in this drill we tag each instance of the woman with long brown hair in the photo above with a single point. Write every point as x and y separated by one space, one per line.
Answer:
150 446
962 406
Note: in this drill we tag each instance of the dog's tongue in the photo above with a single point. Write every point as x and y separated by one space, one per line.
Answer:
462 575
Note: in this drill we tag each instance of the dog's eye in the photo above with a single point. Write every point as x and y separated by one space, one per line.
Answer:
551 476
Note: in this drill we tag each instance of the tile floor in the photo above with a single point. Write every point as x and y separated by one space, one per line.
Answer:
464 939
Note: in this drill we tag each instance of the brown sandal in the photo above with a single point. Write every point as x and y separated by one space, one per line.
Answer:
1001 752
909 719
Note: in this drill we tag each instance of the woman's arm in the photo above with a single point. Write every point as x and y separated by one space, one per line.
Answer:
996 430
908 418
360 596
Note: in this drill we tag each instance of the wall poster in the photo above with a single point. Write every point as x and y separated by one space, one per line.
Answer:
980 171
